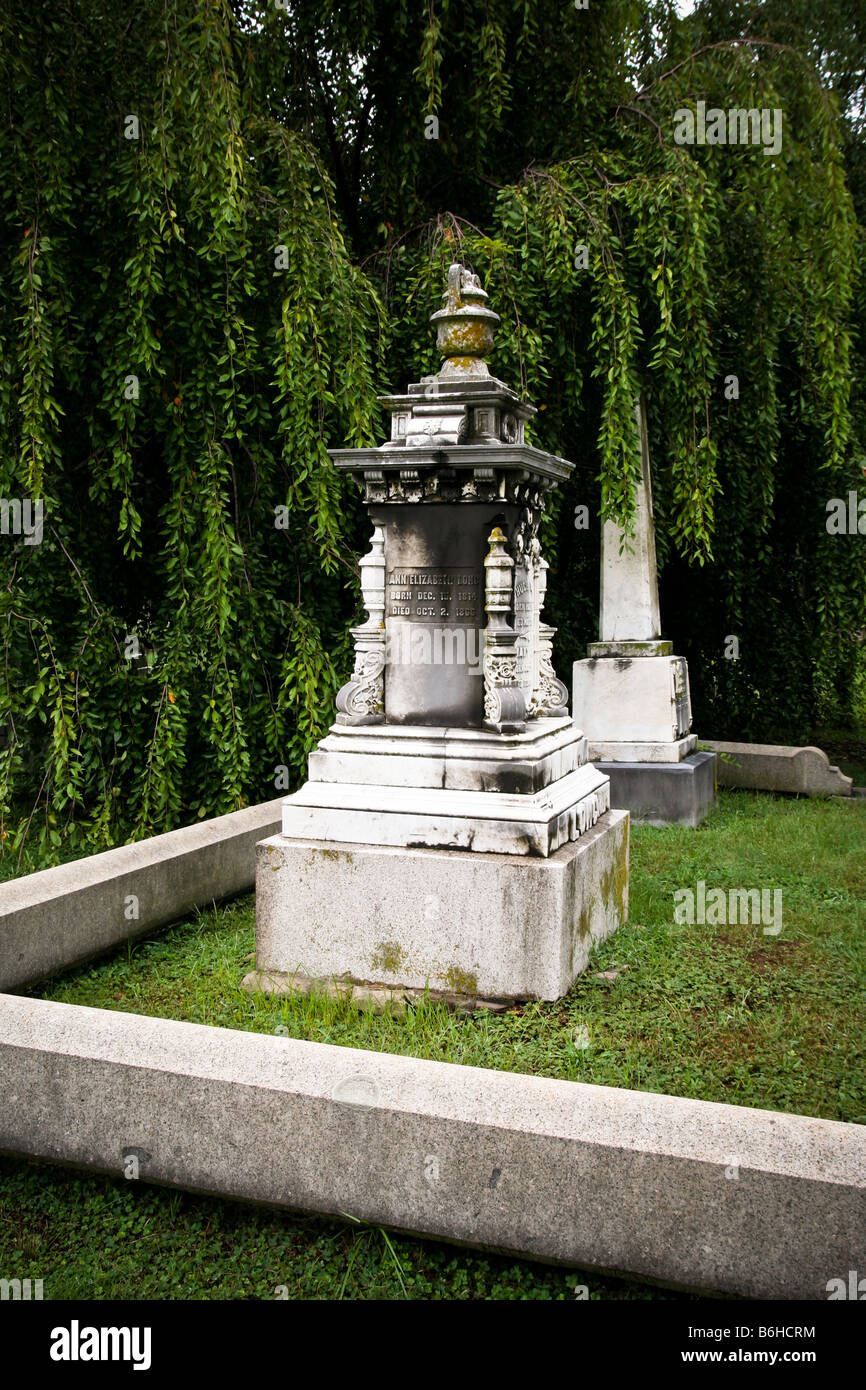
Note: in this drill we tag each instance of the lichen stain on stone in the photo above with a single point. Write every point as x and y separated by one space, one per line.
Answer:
614 887
462 365
460 981
467 337
584 922
388 957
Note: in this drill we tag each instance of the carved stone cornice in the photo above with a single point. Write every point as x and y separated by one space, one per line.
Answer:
521 476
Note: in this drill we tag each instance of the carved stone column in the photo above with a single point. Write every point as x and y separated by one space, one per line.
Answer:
550 696
504 702
362 699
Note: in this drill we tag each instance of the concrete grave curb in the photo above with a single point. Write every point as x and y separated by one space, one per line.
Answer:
61 917
777 768
686 1192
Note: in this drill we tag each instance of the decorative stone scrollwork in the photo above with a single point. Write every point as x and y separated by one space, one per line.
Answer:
362 699
372 480
504 702
682 699
524 532
530 495
484 483
550 696
413 488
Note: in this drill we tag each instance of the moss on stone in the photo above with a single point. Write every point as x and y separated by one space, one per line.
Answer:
388 957
460 981
614 886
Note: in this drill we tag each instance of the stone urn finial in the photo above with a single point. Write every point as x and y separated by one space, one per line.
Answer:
465 326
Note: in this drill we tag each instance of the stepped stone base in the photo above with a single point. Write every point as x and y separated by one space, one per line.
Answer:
440 788
485 822
410 755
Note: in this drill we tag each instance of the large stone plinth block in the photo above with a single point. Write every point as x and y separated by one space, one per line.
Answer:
495 925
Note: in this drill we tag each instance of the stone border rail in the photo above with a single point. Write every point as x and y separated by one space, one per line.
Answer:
684 1192
64 916
778 768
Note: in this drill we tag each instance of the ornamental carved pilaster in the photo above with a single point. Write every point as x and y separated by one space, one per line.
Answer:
549 697
504 702
362 699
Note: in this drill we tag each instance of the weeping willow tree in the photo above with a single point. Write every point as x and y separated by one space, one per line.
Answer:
719 280
222 231
183 330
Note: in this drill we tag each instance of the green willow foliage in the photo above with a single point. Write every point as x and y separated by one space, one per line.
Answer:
196 302
148 266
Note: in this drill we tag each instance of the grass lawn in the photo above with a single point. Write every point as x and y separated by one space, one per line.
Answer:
717 1012
847 749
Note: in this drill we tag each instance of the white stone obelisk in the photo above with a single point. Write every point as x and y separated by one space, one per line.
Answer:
631 695
629 579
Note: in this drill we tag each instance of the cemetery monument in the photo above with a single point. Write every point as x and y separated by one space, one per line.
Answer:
631 695
453 834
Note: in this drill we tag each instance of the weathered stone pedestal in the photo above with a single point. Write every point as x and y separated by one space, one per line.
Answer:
453 834
631 695
496 925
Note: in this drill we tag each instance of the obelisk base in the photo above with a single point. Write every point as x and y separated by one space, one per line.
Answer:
680 793
633 703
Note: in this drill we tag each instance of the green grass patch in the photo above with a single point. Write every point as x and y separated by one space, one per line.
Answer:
722 1013
716 1012
846 748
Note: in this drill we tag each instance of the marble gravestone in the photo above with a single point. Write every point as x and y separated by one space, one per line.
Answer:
452 834
631 695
